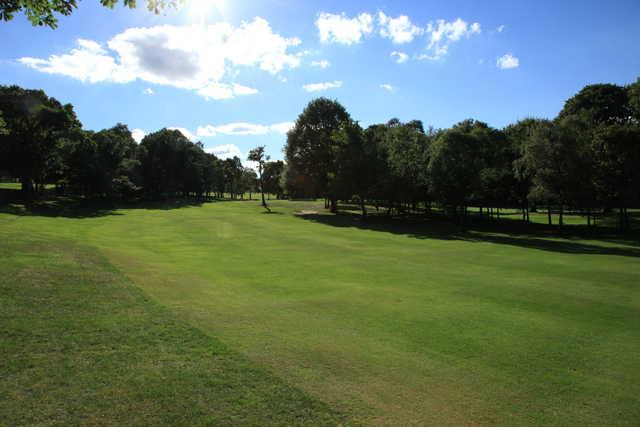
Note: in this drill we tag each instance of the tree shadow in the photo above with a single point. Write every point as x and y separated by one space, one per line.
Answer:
534 236
77 207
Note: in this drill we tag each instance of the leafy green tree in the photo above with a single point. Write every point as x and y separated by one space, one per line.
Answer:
272 178
35 127
43 12
3 125
257 155
171 165
232 169
633 93
248 182
616 151
598 104
517 135
309 149
406 153
355 163
561 156
456 159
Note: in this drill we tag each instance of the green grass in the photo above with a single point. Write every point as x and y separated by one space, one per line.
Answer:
10 185
380 322
81 345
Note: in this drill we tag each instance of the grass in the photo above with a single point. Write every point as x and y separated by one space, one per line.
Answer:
377 322
82 345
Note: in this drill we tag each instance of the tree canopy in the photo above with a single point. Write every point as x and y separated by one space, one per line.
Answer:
43 12
586 159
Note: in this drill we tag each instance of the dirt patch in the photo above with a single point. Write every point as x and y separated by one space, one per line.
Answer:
306 212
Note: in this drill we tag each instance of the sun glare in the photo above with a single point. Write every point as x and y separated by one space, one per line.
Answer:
201 9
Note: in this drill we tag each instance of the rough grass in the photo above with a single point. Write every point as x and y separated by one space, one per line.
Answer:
387 322
81 345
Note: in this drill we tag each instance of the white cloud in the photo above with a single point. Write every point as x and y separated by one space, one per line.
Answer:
443 33
341 29
199 58
400 56
315 87
225 151
185 132
500 28
219 91
399 30
283 127
137 135
243 128
507 61
148 91
322 63
387 87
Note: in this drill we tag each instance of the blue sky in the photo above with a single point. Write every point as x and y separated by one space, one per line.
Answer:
235 74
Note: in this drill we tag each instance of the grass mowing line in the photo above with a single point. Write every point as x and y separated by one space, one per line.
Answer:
81 345
399 324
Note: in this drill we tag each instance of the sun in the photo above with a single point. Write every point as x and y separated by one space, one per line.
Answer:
201 9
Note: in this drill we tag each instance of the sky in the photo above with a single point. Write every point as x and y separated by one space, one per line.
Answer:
235 74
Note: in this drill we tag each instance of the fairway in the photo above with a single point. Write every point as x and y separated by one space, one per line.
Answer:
358 323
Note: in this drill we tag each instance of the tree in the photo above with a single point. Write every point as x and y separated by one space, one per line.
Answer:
633 93
257 155
560 154
517 135
355 162
309 149
43 12
172 165
232 169
248 182
35 126
272 178
405 148
456 159
3 125
616 151
598 104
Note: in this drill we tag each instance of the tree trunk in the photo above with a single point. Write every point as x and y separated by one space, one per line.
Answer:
264 203
363 208
27 187
549 215
561 216
334 205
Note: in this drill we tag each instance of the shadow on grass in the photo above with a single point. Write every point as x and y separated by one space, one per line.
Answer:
535 236
75 207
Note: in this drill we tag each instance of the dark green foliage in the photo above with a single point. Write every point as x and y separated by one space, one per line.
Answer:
598 104
456 160
585 159
172 166
309 150
35 127
272 177
43 12
102 163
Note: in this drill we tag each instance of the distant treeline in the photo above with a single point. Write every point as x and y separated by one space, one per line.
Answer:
587 158
42 142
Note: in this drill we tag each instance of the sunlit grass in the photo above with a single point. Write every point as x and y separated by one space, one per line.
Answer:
385 321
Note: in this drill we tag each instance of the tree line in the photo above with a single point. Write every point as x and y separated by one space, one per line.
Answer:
43 142
586 159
